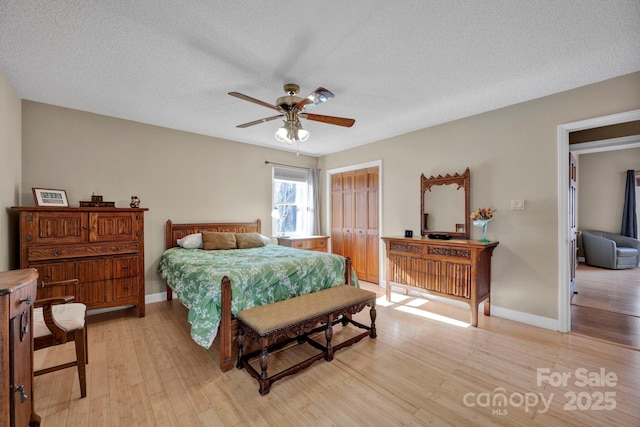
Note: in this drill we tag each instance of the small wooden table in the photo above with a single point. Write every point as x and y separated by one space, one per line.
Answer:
311 243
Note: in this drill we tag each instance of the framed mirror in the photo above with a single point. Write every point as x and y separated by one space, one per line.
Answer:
444 205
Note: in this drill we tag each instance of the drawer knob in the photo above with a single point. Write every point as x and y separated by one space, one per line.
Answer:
26 300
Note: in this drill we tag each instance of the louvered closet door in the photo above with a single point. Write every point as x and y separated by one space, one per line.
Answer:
355 220
347 215
373 232
336 214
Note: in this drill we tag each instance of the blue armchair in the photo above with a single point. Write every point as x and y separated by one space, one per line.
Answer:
610 250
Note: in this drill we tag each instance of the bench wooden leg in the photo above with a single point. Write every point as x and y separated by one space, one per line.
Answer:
328 333
264 378
373 314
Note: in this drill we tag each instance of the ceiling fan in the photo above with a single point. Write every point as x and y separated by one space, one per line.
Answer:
293 108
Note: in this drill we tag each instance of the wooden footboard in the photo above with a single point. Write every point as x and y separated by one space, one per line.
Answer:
228 329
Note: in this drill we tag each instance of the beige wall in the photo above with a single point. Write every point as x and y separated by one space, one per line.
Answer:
512 154
177 175
601 186
10 168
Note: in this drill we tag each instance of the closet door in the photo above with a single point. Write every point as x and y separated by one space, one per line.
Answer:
361 223
336 214
373 231
348 212
354 226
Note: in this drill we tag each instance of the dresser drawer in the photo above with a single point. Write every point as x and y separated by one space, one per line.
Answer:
49 252
311 243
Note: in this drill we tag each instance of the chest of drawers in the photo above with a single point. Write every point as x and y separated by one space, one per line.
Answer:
101 247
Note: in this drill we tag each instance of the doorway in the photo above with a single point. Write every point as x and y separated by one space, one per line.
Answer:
564 273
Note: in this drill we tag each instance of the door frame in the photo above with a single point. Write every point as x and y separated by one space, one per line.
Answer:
375 163
564 301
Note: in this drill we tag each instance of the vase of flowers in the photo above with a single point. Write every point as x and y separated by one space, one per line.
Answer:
481 218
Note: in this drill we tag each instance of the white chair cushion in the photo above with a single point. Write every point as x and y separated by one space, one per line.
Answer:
68 316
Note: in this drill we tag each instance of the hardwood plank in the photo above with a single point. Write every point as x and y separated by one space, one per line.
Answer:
417 372
607 305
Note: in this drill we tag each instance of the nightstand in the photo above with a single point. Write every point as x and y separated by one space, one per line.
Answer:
311 243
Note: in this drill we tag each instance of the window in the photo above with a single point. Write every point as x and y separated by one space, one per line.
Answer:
291 189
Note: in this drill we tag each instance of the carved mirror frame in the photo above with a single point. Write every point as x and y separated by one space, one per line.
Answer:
463 181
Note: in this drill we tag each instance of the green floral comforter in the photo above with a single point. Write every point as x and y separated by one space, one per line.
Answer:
258 276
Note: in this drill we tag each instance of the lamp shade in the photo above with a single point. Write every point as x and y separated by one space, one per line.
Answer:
291 132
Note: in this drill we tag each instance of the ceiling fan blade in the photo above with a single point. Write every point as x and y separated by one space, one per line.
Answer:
340 121
255 101
316 97
257 122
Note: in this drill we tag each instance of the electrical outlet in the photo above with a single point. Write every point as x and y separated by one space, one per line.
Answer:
517 205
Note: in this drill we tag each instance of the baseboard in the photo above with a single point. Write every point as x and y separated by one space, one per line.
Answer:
503 313
151 298
527 318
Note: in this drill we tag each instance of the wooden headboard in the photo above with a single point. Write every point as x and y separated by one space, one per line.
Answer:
178 231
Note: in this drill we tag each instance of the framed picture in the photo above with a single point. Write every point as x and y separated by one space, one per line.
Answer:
48 197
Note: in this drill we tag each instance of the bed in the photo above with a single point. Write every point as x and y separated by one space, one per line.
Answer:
215 284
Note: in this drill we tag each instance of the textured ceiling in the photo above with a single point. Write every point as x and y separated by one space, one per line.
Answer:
394 66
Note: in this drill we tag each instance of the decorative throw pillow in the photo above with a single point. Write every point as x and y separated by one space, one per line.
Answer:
192 241
214 241
249 240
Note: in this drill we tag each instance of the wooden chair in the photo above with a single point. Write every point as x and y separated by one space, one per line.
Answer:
58 320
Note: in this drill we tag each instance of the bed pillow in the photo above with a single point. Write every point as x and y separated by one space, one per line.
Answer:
267 240
192 241
215 241
249 240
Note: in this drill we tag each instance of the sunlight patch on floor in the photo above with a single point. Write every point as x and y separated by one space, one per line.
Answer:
409 304
432 316
395 299
417 302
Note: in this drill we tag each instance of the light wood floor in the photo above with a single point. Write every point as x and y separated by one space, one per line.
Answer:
607 305
421 370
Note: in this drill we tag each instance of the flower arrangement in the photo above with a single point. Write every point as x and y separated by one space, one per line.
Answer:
482 213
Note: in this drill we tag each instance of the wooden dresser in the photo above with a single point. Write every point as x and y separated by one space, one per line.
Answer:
456 269
17 293
312 243
102 247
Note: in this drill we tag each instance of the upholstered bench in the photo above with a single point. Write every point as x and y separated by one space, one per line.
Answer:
275 325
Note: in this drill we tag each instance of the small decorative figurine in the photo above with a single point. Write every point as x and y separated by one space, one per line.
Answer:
135 202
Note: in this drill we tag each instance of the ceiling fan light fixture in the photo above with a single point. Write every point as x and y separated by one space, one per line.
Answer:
300 133
291 132
303 134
